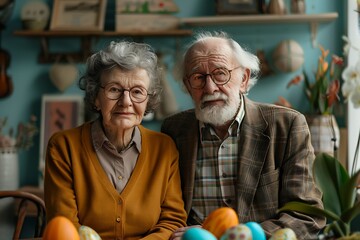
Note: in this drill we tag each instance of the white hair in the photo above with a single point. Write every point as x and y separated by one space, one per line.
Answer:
244 58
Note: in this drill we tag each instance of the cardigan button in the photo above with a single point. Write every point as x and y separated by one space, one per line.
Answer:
118 219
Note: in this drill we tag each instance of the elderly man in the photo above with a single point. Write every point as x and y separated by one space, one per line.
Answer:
234 152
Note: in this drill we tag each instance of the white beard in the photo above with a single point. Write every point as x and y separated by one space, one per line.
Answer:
217 115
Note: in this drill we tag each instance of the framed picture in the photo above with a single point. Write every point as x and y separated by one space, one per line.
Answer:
234 7
79 15
58 112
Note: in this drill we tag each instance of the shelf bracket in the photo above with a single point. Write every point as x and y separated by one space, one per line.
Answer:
313 32
50 57
44 53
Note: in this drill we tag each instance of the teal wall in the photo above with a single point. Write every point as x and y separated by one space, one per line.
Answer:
31 79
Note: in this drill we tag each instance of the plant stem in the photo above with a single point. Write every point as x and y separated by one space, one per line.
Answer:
354 165
338 229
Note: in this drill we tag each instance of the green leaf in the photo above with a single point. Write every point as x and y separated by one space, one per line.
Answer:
348 191
309 209
351 213
330 176
306 80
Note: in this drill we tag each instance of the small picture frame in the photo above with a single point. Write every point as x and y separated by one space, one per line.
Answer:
236 7
58 112
78 15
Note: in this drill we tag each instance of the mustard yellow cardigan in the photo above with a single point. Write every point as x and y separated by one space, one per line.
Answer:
76 186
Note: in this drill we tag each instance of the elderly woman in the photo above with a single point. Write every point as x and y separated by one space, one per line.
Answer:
112 174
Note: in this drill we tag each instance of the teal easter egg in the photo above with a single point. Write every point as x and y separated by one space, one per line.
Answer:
284 234
198 234
256 230
238 232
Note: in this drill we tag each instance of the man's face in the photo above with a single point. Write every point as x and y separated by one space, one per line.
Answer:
215 104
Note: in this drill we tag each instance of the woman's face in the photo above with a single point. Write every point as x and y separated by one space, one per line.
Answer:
122 113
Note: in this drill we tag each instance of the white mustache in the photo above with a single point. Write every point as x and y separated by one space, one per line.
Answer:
215 96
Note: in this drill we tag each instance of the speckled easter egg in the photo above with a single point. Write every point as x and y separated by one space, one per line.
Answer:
87 233
238 232
284 234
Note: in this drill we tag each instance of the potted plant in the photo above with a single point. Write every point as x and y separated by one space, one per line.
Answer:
340 199
10 144
341 205
321 89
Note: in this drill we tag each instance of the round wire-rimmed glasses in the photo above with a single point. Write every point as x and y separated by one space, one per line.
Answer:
220 76
137 94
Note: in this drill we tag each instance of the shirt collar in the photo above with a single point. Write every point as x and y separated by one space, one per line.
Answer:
99 137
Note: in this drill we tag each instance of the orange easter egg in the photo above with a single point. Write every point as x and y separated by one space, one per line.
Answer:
60 228
220 220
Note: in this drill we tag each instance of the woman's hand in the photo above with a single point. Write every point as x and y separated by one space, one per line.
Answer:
177 234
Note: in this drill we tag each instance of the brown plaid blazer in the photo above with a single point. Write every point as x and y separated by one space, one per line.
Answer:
275 166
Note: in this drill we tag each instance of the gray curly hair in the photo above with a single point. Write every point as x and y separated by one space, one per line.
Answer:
128 56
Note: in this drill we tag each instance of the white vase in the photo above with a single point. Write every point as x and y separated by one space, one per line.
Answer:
9 169
9 180
325 134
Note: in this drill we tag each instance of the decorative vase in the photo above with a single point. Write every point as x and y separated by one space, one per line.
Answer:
277 7
298 6
9 180
325 133
9 169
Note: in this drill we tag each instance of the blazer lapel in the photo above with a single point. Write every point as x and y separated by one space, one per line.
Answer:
188 146
253 147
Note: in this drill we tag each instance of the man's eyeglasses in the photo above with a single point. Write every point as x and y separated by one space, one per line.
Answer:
220 76
137 94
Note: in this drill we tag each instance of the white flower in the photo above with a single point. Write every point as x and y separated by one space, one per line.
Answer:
346 47
351 85
355 98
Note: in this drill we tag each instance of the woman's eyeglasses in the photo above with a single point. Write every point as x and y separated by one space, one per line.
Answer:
137 94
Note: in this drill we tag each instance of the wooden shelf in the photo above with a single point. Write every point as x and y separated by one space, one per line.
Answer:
259 19
168 33
86 38
312 19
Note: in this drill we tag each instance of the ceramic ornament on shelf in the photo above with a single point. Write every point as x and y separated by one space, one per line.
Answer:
288 56
35 15
277 7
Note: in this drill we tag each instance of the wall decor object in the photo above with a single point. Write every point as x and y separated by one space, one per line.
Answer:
265 67
78 15
146 15
35 15
63 74
227 7
6 86
6 9
288 56
58 112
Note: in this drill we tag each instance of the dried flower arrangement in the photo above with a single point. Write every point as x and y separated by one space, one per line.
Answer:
322 89
22 139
